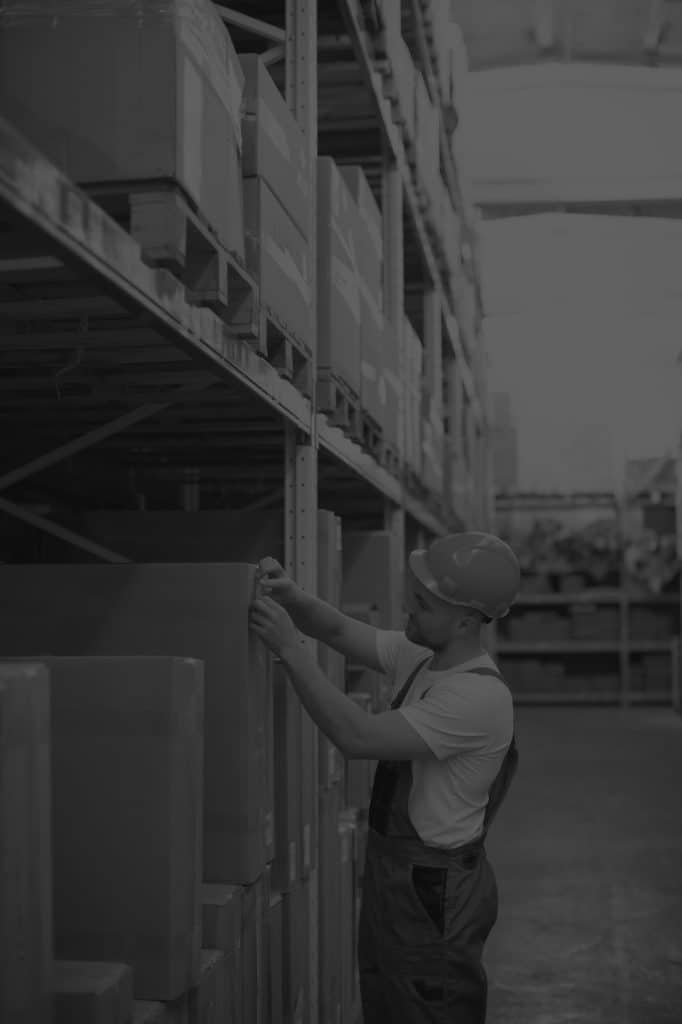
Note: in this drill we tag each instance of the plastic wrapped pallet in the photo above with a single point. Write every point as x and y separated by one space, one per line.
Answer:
183 98
196 611
92 993
25 845
273 144
127 832
338 295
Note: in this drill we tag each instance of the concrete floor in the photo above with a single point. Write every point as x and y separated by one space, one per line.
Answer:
588 856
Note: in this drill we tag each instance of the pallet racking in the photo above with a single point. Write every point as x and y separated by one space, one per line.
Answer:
118 393
621 651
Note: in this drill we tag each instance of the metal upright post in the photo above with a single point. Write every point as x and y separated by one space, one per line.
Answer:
392 204
301 458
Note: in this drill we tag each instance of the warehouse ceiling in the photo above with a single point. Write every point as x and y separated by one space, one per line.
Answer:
509 33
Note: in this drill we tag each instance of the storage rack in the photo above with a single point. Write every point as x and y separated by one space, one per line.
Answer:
143 400
621 649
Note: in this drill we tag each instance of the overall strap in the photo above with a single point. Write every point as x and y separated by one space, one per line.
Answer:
404 690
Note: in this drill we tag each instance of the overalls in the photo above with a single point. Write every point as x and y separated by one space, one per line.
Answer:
426 912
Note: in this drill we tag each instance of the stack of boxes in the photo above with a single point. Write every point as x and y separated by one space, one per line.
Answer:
368 233
176 790
174 116
277 198
339 311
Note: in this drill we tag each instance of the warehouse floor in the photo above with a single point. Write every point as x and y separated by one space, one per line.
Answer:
588 856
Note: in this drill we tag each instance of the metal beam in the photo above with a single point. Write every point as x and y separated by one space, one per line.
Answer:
61 532
252 25
99 434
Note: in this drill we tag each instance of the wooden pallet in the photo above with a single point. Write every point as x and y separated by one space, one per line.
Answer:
172 234
291 357
371 436
340 404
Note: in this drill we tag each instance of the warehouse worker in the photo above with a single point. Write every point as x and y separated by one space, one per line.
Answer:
446 756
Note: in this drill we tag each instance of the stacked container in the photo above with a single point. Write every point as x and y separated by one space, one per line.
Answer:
277 196
173 116
339 311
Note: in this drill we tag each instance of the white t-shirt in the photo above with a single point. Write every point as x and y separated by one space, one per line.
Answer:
467 721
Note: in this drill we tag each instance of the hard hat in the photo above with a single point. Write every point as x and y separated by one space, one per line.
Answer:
476 570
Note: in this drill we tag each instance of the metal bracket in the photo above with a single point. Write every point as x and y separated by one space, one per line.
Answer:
253 25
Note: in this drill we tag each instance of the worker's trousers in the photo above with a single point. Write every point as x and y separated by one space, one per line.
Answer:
426 912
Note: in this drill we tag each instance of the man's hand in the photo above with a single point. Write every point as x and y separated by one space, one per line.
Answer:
273 625
274 582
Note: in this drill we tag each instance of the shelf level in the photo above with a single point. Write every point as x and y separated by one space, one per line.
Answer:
359 38
40 198
557 648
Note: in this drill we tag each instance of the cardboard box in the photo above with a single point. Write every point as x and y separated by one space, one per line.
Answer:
368 233
195 611
275 950
25 845
372 574
92 993
278 256
127 832
207 1003
288 789
274 146
163 97
329 956
339 310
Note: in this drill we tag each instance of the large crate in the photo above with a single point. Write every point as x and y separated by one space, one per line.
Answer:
127 833
338 294
278 256
273 143
194 611
113 93
26 932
